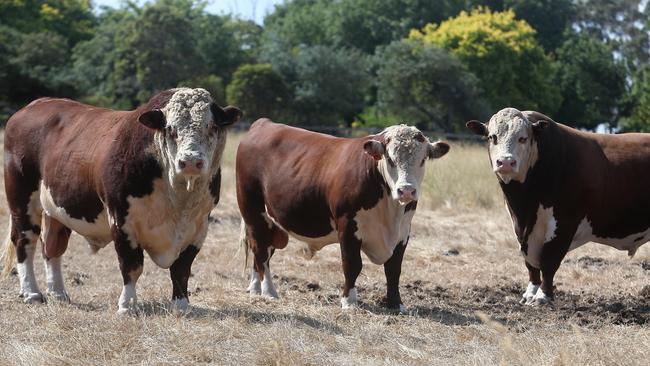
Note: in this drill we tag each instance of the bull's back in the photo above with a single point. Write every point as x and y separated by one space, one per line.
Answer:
295 175
58 147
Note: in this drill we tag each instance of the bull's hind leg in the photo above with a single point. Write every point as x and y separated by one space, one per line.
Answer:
55 242
263 239
21 186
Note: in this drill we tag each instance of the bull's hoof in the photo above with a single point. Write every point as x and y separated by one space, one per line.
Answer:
58 296
350 301
528 296
32 297
125 311
268 291
181 306
540 299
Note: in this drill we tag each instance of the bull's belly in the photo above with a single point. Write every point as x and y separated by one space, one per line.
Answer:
629 243
544 231
97 232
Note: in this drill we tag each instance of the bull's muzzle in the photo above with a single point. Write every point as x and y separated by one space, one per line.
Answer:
406 193
505 165
188 166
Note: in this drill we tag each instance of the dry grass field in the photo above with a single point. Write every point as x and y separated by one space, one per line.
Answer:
463 308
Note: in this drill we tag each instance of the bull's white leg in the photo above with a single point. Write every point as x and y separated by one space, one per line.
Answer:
128 297
531 290
28 287
255 286
54 279
350 301
268 289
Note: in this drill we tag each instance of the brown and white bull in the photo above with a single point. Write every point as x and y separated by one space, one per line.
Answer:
564 188
144 179
361 193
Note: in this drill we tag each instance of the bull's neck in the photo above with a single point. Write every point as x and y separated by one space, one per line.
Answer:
522 199
542 182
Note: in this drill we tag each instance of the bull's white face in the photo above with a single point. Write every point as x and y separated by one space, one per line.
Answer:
193 134
401 152
511 143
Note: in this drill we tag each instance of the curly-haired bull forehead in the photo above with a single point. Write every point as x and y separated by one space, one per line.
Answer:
507 121
404 140
188 108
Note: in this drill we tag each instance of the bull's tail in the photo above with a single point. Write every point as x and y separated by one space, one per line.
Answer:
243 242
8 254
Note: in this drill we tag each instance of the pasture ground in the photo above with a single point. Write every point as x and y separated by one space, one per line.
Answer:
463 308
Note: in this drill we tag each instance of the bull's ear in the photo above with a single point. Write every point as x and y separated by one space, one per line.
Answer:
540 125
225 116
438 149
154 119
477 127
374 148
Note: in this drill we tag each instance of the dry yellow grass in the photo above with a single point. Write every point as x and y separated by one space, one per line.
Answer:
463 308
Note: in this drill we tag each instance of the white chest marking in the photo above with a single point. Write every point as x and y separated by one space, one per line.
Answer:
164 227
382 227
543 231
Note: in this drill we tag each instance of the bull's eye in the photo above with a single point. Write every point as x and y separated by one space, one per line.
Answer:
522 140
390 161
493 139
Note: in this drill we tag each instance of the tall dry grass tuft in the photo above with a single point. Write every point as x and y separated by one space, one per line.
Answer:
462 179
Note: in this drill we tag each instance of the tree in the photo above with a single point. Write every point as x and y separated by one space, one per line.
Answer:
258 91
427 86
639 119
503 53
549 18
164 50
71 19
592 83
330 85
103 67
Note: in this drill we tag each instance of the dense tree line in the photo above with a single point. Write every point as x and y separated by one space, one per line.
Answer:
434 63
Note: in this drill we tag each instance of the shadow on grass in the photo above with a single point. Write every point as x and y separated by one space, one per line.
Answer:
163 308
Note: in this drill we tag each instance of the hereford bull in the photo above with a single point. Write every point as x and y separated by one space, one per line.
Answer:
564 188
144 179
361 193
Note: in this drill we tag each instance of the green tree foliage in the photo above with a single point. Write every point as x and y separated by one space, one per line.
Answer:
549 18
330 85
258 90
591 81
71 19
623 24
639 119
503 53
427 86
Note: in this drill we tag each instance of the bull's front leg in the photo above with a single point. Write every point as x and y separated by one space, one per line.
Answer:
180 273
551 257
393 270
351 261
534 280
131 258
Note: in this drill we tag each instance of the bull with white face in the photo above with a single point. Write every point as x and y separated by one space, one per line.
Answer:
144 179
511 143
401 152
564 188
319 189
